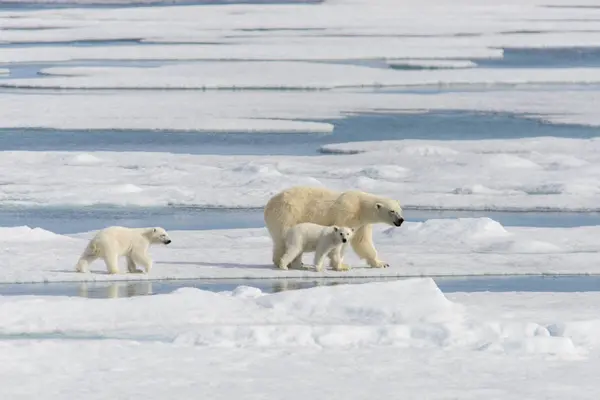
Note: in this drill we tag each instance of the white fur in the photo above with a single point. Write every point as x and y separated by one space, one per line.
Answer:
322 240
117 241
354 209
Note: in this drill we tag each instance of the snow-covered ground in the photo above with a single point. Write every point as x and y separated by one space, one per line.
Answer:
349 341
290 75
268 111
293 46
445 247
520 174
320 62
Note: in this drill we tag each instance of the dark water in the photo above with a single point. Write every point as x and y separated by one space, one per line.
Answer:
66 220
98 4
557 57
105 290
33 70
438 125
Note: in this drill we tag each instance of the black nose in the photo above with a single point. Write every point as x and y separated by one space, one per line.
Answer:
344 240
399 221
167 242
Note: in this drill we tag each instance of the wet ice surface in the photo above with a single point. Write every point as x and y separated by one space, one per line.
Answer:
66 220
432 125
110 290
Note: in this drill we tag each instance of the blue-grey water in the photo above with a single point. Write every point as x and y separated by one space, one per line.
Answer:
559 57
434 125
19 6
563 283
67 220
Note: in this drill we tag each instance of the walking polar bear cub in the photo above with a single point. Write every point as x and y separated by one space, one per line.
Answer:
354 209
323 240
117 241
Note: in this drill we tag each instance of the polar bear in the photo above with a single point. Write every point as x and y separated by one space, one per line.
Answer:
322 240
117 241
354 209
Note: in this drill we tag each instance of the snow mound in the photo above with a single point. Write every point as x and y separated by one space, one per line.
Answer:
584 332
404 313
257 169
385 172
245 292
510 161
85 159
561 161
427 151
588 187
526 338
475 189
521 246
27 234
373 303
126 188
453 230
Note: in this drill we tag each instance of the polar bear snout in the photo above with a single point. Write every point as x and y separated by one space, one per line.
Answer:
167 241
344 240
398 221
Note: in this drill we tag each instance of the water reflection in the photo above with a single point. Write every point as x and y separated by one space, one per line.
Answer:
114 290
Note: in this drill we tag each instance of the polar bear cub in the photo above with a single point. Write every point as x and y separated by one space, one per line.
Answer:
322 240
117 241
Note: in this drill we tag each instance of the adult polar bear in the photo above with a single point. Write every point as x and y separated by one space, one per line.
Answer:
354 209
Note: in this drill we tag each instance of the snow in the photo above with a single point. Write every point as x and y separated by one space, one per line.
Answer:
511 175
345 341
437 247
488 25
369 315
268 111
396 336
289 76
279 38
330 50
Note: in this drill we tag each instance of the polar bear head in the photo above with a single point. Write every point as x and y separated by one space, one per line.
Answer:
342 234
158 235
389 212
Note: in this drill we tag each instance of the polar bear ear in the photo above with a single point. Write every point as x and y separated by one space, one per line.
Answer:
378 205
154 230
335 228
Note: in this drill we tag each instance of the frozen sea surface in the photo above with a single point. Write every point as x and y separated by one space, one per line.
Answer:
433 125
213 316
106 290
68 220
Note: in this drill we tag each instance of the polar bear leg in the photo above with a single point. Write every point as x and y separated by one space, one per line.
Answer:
131 267
278 251
112 263
84 261
320 253
362 244
297 262
336 258
293 251
142 259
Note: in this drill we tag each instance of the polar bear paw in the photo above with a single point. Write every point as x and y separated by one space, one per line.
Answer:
379 264
342 267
